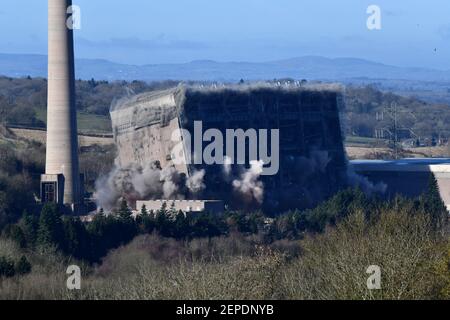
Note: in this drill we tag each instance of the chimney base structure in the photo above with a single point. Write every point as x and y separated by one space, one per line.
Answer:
61 182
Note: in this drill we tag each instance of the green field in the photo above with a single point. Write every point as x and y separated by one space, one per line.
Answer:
362 141
87 123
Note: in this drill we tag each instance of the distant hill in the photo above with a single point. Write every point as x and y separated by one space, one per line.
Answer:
308 67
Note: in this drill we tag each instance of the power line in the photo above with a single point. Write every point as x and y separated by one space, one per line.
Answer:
393 125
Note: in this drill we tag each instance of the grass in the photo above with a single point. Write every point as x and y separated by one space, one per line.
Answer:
90 123
87 123
362 141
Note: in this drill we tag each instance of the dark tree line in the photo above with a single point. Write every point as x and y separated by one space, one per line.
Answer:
91 241
20 167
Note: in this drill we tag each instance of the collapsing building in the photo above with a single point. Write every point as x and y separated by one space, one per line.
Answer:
311 163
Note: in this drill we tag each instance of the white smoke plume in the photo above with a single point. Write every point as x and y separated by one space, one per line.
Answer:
227 162
356 180
107 189
135 183
146 182
249 185
195 182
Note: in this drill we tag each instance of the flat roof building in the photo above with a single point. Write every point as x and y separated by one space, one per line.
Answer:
408 177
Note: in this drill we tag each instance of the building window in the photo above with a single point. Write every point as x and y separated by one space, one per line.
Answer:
49 192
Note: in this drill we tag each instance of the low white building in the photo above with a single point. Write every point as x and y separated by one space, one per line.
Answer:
186 206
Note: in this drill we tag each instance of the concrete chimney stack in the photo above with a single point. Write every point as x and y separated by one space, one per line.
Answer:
61 183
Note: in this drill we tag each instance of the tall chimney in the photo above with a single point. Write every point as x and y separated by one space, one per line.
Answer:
62 143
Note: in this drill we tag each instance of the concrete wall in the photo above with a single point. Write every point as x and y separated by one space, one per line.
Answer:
143 127
186 206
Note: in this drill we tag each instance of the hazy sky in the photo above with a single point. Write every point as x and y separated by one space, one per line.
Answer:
414 32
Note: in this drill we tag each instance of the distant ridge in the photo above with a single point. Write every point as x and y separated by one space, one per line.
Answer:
307 67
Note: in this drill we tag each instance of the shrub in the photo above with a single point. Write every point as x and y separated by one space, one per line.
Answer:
334 264
23 266
50 230
6 268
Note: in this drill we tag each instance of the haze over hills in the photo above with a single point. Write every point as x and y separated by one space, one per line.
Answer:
427 84
307 67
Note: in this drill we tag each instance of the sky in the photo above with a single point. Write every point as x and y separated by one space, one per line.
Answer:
414 33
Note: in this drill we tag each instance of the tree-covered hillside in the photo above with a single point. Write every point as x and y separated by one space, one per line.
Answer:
368 109
23 102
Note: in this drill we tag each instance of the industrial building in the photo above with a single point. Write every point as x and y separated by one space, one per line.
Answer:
312 164
407 177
